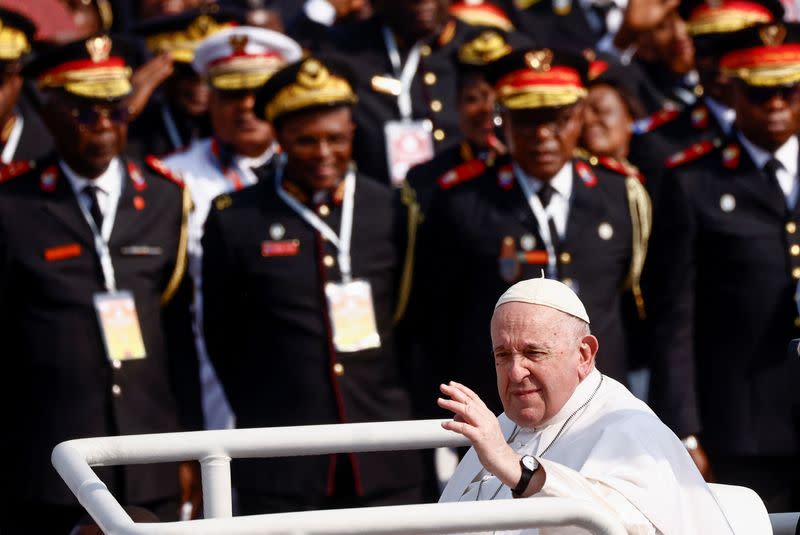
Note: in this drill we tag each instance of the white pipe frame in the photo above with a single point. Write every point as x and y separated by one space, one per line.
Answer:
215 449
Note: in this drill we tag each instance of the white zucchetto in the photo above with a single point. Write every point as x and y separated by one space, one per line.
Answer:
546 292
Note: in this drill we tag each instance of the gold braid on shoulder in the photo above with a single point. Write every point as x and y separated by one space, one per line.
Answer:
183 243
641 209
409 199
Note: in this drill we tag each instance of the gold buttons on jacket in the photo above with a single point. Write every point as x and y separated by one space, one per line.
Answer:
438 134
338 369
791 227
328 260
794 250
323 210
425 50
436 106
429 78
565 258
116 391
796 273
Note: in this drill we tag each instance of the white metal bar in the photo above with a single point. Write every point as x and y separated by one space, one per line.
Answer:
214 449
216 472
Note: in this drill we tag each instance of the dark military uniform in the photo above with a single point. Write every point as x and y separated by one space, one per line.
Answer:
269 337
34 141
464 265
161 130
722 273
550 26
65 386
665 133
433 91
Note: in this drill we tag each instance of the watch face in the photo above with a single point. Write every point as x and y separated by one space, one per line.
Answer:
530 463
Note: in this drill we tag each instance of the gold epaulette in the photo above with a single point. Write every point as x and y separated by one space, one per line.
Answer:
183 249
691 153
15 169
162 170
641 210
463 172
414 217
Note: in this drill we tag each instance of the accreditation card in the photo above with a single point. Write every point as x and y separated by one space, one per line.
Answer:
352 316
119 323
407 144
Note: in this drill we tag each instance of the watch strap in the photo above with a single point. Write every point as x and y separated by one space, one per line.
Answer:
525 478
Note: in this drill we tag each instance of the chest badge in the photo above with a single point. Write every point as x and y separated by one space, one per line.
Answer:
727 203
508 262
280 248
277 231
138 202
605 231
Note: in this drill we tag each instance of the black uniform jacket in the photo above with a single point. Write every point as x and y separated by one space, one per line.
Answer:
433 90
269 337
461 274
64 386
722 273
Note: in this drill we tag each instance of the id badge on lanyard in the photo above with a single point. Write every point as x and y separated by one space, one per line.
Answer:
350 307
116 310
408 142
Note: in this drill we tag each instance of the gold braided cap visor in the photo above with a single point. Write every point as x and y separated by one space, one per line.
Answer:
108 82
182 44
729 17
528 89
764 66
296 97
244 72
13 43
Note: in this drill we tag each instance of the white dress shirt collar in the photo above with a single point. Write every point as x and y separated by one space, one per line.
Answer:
109 182
561 181
787 153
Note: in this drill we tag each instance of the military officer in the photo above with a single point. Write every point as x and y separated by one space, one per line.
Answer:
22 134
480 145
723 272
539 209
94 308
174 119
304 268
671 129
404 64
234 62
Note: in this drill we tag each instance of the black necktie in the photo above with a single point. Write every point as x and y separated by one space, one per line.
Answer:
545 195
94 205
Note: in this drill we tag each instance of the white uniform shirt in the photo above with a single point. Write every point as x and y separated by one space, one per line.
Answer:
108 184
200 169
786 154
615 453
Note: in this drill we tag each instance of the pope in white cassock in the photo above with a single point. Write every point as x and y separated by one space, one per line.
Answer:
569 431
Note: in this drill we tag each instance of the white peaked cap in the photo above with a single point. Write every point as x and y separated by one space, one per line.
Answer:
546 292
255 42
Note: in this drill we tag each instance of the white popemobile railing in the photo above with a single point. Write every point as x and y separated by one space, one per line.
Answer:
215 449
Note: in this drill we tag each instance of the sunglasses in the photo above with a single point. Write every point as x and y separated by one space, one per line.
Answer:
90 115
762 95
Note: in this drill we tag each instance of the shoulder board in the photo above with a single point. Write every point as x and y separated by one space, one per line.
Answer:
659 118
15 169
463 172
623 168
161 169
691 153
585 173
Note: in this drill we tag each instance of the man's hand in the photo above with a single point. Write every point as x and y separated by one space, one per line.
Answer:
476 422
145 81
191 487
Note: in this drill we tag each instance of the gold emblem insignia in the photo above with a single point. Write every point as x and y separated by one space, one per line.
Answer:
99 48
313 74
772 35
238 43
539 60
222 202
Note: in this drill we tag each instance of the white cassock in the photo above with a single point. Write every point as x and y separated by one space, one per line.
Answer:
614 452
199 168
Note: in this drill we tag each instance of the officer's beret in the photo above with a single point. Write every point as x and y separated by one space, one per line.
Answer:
181 34
97 68
307 84
539 77
765 55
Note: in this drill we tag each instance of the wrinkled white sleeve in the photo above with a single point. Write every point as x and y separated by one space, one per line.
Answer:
563 482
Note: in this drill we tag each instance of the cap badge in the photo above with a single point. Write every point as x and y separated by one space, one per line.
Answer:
238 43
313 74
539 60
772 35
99 48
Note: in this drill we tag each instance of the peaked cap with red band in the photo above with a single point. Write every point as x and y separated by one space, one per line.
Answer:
765 55
95 68
481 13
724 16
538 78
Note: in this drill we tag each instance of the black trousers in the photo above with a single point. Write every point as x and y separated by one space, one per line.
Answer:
343 496
775 479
